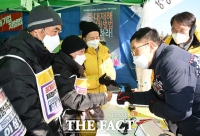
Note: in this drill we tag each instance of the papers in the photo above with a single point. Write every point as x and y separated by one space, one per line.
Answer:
149 128
142 114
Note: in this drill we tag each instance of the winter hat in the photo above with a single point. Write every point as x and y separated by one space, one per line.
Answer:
72 44
87 27
42 16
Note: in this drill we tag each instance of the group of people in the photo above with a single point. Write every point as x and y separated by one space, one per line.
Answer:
28 55
175 92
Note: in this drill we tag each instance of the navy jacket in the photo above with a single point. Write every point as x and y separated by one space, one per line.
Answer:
176 88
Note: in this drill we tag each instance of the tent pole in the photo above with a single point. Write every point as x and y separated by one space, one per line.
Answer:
120 3
70 6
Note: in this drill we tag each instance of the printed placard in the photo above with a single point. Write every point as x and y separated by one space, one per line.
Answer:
49 97
10 124
81 86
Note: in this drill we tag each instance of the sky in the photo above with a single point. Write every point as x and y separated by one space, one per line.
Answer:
162 22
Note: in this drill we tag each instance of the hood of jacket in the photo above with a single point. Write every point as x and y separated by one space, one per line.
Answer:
32 48
66 61
102 51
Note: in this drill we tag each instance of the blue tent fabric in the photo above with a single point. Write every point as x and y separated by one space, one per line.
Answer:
128 22
71 20
70 17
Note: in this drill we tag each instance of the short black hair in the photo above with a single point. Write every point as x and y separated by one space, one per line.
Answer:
184 18
146 33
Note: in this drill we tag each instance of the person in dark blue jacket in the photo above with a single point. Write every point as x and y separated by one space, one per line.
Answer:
175 92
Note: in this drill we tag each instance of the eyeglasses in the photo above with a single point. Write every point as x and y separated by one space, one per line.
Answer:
134 50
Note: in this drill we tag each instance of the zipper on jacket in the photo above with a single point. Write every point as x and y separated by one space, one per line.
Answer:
98 70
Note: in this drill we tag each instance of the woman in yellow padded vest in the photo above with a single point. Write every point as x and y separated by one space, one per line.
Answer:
99 69
98 61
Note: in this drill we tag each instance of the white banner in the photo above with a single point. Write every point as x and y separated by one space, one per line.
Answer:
153 9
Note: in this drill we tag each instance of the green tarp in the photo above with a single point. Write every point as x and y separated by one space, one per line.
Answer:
17 4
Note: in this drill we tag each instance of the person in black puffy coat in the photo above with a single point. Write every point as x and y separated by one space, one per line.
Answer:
17 78
66 63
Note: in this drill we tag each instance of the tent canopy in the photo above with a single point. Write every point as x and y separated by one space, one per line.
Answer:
22 5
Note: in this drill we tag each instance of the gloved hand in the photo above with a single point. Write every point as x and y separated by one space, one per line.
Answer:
151 104
112 82
122 97
104 79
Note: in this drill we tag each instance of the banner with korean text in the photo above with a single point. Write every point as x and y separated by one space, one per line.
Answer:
11 22
107 18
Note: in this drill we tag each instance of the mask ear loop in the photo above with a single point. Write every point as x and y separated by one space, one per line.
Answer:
45 35
44 31
75 56
39 36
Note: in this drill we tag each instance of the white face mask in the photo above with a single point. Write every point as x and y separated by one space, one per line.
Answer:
80 59
180 38
51 42
93 43
141 61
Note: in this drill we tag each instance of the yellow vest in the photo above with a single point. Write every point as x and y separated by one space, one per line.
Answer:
96 64
192 49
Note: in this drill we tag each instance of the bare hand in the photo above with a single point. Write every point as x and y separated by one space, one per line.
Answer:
108 96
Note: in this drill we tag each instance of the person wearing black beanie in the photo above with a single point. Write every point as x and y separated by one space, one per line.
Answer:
99 67
87 27
90 33
28 54
67 67
45 24
74 47
98 64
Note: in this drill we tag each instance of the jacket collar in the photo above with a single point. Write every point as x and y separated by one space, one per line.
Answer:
196 40
158 55
103 49
36 46
72 65
101 55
